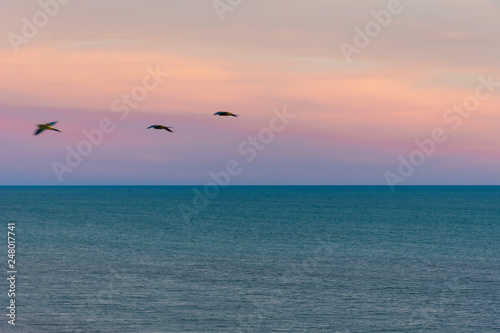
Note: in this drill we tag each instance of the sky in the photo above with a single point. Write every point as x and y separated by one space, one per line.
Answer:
360 89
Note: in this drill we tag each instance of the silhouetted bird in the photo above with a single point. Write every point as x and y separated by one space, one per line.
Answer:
225 114
48 126
161 127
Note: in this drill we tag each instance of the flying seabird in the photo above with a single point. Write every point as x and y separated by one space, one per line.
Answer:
225 114
160 127
48 126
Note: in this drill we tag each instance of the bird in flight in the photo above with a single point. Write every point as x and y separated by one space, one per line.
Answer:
161 127
47 126
225 114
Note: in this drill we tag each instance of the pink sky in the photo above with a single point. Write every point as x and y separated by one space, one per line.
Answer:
352 121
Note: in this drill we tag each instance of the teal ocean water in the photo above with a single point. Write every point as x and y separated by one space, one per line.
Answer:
253 259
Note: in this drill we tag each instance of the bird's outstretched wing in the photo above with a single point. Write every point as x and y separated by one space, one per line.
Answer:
168 129
52 123
38 131
225 113
56 130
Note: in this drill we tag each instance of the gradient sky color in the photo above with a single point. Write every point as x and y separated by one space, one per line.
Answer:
352 123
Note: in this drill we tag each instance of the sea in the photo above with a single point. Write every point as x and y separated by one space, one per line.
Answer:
251 259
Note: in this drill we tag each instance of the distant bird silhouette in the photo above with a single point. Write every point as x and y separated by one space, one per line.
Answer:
161 127
47 126
225 114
